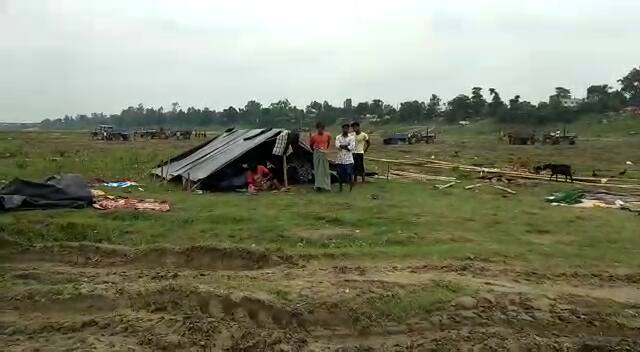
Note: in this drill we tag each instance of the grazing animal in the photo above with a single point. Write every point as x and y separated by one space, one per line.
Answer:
559 169
622 173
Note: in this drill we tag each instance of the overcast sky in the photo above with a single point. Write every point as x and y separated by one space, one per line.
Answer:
79 56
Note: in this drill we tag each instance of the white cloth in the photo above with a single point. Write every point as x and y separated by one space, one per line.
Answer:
281 142
361 140
345 156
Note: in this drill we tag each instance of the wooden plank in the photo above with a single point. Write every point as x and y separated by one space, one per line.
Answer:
422 176
446 186
504 189
577 180
474 186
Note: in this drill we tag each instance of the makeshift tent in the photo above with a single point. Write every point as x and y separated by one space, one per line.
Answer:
67 191
218 164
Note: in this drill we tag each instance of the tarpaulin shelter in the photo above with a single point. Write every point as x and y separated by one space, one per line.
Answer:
218 164
66 191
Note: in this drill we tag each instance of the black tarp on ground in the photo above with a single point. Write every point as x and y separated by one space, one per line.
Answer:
66 191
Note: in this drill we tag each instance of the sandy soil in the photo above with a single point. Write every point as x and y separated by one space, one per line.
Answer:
77 297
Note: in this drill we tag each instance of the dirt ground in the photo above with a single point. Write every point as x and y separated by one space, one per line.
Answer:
77 297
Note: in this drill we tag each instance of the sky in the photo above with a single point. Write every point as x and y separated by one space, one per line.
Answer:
72 57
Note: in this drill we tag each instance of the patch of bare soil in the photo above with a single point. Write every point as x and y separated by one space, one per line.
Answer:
195 257
172 303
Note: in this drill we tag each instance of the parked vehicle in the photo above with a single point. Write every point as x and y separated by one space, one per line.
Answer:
107 133
555 138
427 136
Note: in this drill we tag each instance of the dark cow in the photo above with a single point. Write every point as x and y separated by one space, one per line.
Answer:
557 169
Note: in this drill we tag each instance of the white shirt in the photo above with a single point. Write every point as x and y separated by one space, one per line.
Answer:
345 156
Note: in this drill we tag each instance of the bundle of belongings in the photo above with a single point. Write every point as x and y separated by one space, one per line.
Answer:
596 199
108 203
66 191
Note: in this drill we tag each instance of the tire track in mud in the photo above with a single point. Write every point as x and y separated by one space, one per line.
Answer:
194 257
181 300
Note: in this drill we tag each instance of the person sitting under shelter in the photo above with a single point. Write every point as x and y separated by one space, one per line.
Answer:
259 178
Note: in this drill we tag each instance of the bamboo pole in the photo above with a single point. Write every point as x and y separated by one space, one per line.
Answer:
284 167
505 189
446 165
422 176
446 186
388 170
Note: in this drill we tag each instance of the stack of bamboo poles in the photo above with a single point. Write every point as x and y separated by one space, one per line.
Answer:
493 172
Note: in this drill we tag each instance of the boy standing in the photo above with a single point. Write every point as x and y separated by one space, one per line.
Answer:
346 144
319 144
362 146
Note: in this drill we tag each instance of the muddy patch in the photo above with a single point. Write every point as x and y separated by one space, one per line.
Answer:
206 258
79 304
195 258
114 301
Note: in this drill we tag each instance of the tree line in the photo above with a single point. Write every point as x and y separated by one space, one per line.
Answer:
560 108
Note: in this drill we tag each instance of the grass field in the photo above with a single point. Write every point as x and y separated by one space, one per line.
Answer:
409 242
408 220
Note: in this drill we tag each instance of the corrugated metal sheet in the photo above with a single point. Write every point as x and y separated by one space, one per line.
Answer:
216 154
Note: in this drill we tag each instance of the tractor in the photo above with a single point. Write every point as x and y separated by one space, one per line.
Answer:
555 138
107 133
152 134
427 136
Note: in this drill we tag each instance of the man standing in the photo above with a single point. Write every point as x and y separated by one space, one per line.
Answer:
346 144
320 143
362 146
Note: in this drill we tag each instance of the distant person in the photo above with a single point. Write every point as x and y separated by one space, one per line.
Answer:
362 146
320 143
346 144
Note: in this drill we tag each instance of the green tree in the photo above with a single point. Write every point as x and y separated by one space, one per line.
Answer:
631 84
230 115
514 102
347 105
389 110
459 108
207 117
598 92
411 111
362 108
376 107
562 93
313 109
433 107
328 114
597 99
496 107
477 101
281 113
252 113
617 101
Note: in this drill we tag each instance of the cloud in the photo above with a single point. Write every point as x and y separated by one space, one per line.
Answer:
73 56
